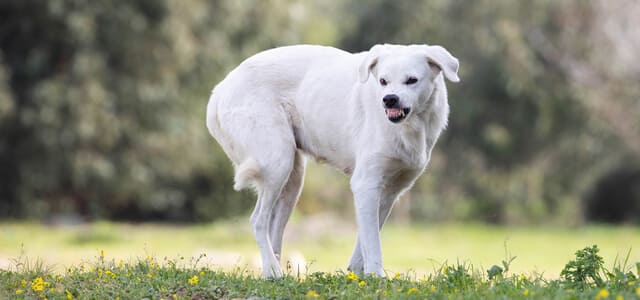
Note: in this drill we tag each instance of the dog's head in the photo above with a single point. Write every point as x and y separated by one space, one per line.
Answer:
406 75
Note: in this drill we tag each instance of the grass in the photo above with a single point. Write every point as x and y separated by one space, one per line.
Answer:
179 278
424 261
324 242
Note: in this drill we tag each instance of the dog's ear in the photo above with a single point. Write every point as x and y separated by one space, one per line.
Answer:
369 62
441 58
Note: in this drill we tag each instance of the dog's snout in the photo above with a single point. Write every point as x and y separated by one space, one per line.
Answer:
390 100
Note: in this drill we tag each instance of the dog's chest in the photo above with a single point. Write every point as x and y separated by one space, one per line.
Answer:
409 149
410 159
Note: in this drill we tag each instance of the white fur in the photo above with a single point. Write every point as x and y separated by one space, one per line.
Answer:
247 172
283 104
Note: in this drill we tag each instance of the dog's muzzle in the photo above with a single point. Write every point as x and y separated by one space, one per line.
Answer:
392 108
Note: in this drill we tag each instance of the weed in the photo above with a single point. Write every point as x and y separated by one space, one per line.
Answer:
497 271
585 270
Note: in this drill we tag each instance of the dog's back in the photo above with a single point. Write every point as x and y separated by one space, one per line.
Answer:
261 92
280 69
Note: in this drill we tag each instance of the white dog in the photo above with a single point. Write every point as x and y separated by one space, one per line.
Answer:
375 115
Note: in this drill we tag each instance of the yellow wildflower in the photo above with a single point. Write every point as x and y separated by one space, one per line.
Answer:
444 269
619 297
19 291
362 283
38 284
433 288
312 294
526 292
108 272
101 253
412 291
69 295
120 263
174 296
638 291
396 275
201 273
602 294
352 276
523 277
193 280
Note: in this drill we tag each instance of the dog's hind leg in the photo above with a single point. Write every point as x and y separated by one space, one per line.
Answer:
286 202
259 139
254 128
274 174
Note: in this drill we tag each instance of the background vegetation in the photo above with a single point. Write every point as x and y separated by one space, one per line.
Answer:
102 106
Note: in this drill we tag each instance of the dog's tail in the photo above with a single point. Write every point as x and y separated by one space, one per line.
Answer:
247 174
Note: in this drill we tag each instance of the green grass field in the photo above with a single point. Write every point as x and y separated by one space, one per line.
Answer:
325 245
584 277
228 260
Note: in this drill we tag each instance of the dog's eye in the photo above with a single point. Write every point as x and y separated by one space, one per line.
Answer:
383 82
411 80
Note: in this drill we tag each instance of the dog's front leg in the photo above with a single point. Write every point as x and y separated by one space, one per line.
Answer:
389 196
366 194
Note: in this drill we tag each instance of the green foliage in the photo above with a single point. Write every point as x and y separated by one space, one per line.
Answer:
586 269
497 271
184 279
105 102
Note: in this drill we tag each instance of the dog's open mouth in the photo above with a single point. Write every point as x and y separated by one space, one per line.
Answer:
396 115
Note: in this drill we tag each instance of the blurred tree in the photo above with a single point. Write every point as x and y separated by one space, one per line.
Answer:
102 104
101 108
520 143
595 46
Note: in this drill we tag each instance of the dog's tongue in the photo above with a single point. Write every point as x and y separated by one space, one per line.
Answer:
394 112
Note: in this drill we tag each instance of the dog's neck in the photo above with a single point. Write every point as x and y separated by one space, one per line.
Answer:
436 114
416 137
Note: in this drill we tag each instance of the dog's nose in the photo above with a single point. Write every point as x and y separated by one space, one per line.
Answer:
390 100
